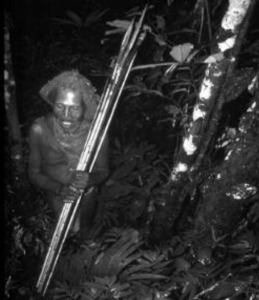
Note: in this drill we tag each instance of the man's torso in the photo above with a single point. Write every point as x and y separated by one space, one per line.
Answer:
60 153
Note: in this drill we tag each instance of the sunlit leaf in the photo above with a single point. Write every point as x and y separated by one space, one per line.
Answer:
214 58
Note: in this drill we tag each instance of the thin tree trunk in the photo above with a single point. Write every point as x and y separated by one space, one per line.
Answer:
14 132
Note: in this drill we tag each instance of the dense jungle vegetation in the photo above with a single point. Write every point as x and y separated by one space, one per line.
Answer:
158 233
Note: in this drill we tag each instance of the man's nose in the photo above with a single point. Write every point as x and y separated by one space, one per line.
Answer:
67 112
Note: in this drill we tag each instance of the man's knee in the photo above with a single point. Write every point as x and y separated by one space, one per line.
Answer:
56 206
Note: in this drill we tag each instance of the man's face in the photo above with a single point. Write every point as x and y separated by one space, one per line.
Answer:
69 109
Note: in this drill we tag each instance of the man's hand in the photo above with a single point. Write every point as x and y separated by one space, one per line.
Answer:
79 180
69 194
78 183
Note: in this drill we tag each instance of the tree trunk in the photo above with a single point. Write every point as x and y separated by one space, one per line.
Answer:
218 87
233 188
14 132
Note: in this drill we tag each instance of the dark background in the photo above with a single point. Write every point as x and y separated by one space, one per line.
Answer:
33 17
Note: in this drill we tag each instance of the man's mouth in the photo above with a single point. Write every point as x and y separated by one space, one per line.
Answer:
66 124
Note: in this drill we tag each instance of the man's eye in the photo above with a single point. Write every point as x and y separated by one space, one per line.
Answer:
59 106
76 108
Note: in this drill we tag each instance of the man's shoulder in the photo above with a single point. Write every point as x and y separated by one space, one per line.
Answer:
40 125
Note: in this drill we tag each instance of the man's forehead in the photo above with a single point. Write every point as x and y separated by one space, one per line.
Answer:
69 97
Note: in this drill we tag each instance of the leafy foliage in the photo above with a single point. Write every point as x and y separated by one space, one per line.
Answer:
27 222
115 269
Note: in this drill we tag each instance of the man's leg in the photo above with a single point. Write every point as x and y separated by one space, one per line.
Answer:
87 210
57 204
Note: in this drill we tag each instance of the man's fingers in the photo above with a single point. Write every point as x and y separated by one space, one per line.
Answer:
76 189
69 198
79 180
72 194
77 186
73 188
79 175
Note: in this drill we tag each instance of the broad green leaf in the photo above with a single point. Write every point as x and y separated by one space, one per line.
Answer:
124 170
181 52
121 286
137 268
161 266
64 21
94 17
120 190
144 276
160 40
73 16
160 22
131 259
122 26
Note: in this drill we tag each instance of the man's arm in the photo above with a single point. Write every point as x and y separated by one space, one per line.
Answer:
35 162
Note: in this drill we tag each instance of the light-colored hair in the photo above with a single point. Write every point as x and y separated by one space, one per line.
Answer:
77 82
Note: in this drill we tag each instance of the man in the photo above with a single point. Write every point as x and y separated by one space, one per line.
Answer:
56 142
